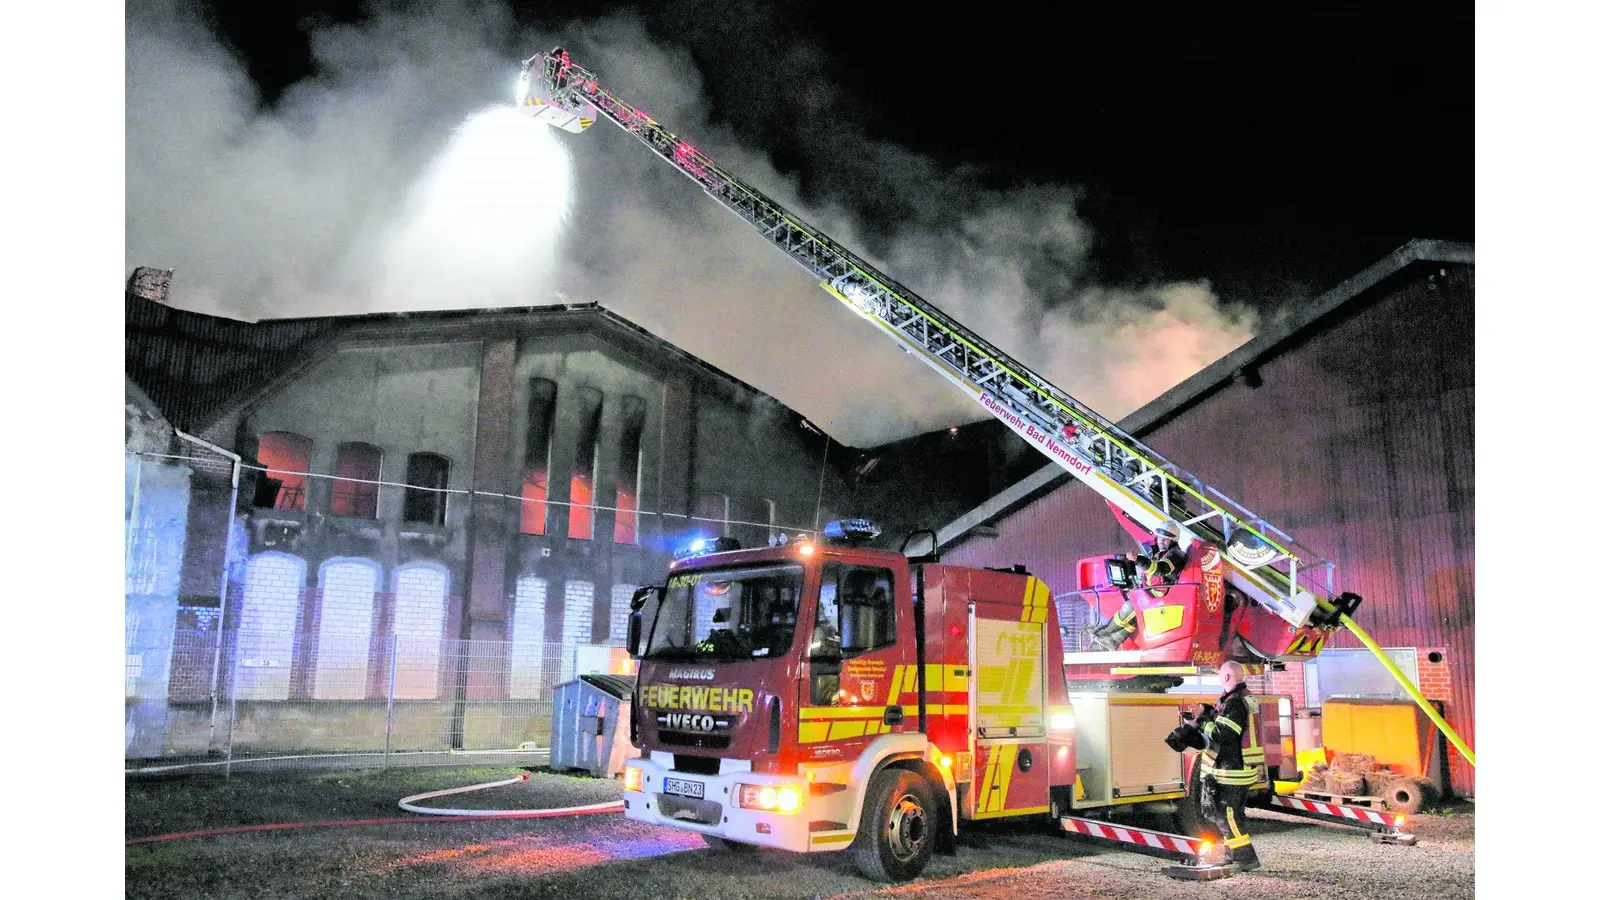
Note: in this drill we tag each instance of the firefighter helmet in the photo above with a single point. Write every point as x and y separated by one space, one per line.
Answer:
1167 529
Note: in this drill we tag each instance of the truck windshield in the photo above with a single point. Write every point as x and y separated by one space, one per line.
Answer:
727 614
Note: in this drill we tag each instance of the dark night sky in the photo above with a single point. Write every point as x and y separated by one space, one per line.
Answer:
1272 148
1116 199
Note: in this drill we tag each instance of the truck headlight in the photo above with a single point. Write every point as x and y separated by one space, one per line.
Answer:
632 779
772 798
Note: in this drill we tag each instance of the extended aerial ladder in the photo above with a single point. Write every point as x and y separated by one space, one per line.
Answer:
1266 564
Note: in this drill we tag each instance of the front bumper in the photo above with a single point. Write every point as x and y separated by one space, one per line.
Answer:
820 823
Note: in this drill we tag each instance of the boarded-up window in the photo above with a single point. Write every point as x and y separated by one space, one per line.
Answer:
344 633
419 611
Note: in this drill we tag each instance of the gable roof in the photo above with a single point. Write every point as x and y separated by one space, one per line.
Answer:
198 368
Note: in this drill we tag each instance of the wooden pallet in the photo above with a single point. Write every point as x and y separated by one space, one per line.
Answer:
1340 799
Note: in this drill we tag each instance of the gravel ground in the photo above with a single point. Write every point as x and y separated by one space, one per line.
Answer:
1300 859
607 857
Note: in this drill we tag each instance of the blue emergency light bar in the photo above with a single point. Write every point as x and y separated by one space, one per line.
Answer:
704 546
851 530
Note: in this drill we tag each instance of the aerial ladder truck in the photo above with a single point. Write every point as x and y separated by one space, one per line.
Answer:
1249 593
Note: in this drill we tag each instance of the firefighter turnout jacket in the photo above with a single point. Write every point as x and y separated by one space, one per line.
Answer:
1160 568
1233 754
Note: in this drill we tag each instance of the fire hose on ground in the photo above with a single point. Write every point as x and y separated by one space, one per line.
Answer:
409 804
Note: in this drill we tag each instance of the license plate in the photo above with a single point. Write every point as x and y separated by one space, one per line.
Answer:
683 787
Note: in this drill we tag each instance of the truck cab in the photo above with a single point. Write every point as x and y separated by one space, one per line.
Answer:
816 696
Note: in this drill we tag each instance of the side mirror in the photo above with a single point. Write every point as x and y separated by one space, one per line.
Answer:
636 616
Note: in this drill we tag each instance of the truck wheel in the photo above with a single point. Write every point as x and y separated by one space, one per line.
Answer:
896 837
723 844
1403 796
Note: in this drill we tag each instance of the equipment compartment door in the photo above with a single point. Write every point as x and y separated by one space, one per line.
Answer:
1010 766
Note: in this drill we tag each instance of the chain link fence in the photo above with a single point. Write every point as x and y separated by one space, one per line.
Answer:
239 660
287 700
321 622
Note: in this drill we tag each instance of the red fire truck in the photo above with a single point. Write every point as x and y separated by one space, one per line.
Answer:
823 695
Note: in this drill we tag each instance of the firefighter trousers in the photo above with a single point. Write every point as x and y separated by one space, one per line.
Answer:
1223 804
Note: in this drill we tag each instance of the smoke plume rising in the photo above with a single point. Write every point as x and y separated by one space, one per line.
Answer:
370 186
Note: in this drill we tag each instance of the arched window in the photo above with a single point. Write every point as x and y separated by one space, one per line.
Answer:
427 476
528 678
287 457
354 493
267 615
419 614
344 632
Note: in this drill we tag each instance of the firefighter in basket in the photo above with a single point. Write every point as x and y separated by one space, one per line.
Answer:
1159 563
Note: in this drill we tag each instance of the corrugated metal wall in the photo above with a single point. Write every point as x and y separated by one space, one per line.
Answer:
1359 442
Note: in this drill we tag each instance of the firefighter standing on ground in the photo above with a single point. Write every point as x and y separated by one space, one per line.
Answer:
1230 764
1160 562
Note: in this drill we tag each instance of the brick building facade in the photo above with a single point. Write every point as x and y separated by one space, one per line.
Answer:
568 454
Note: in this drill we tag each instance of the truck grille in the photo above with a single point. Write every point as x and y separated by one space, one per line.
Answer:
694 739
704 812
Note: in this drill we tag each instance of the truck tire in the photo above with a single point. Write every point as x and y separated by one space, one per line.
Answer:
1191 819
727 846
898 821
1403 796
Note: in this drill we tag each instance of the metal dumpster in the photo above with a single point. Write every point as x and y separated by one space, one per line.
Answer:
589 730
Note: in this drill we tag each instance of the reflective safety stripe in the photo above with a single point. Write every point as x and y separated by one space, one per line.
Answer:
1237 728
1236 843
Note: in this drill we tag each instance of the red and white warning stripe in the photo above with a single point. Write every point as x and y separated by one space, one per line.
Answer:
1159 840
1357 813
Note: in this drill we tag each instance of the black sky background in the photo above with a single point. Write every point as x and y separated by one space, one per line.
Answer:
1272 149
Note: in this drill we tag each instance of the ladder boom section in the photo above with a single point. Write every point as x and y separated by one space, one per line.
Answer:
1267 564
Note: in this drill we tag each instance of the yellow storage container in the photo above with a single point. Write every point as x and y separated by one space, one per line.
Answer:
1395 732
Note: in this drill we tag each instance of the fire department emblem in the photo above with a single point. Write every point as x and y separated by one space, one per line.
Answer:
1213 594
868 690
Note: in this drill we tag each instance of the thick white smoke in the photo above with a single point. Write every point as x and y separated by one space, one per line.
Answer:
362 191
384 181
